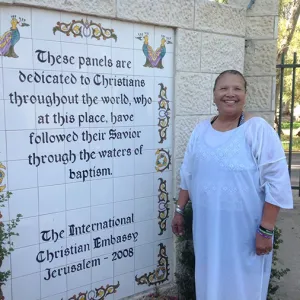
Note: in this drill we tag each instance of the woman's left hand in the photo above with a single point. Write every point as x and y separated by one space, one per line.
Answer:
263 245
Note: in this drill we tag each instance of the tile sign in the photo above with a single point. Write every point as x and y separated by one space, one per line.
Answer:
86 151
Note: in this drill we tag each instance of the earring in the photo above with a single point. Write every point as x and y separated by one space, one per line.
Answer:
214 104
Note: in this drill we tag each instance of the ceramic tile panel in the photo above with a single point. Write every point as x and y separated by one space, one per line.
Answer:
86 109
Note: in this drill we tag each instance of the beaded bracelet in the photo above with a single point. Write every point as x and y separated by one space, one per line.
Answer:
268 231
264 235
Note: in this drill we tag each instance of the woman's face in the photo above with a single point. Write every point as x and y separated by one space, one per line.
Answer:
230 94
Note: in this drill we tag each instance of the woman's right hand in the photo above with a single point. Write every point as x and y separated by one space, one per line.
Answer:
178 224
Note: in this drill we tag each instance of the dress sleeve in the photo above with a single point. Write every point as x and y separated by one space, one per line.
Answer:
270 158
186 167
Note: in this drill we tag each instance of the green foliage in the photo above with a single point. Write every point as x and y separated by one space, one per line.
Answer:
285 140
287 125
6 232
185 278
222 1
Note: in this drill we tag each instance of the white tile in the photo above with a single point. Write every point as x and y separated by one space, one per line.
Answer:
98 60
140 64
49 20
21 266
128 235
146 91
145 163
143 287
76 292
124 166
101 214
17 138
80 113
144 115
144 256
79 278
168 35
104 271
25 226
51 173
78 195
19 118
16 81
77 218
145 232
24 202
1 79
47 55
125 34
21 175
27 287
84 242
77 144
146 137
96 139
123 209
99 40
167 69
124 262
102 112
101 191
143 185
75 91
54 285
6 265
3 156
123 61
2 115
52 91
75 52
62 296
123 188
124 137
5 212
7 289
52 199
144 209
46 256
68 18
102 242
140 31
53 227
126 288
25 60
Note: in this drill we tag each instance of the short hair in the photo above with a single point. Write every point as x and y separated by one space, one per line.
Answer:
234 72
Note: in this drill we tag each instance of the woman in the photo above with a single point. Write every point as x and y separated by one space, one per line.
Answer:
235 174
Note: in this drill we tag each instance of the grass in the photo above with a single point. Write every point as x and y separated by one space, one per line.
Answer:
285 139
286 125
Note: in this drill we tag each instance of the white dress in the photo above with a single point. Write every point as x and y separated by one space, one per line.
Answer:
229 175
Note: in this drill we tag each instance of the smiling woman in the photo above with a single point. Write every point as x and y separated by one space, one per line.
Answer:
235 174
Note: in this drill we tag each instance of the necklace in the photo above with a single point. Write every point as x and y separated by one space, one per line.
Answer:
241 119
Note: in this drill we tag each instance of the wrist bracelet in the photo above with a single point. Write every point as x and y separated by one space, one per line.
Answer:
179 210
267 231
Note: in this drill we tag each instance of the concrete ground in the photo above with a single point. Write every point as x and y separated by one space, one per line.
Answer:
289 252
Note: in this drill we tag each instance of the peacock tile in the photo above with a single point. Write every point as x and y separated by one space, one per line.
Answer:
78 195
141 65
143 185
99 32
101 191
28 208
43 23
15 85
143 37
122 61
21 267
125 34
24 52
17 138
21 175
164 38
166 69
123 188
27 287
71 28
52 199
24 239
98 60
45 55
16 22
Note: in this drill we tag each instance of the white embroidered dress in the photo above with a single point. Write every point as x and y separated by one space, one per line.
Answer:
229 176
